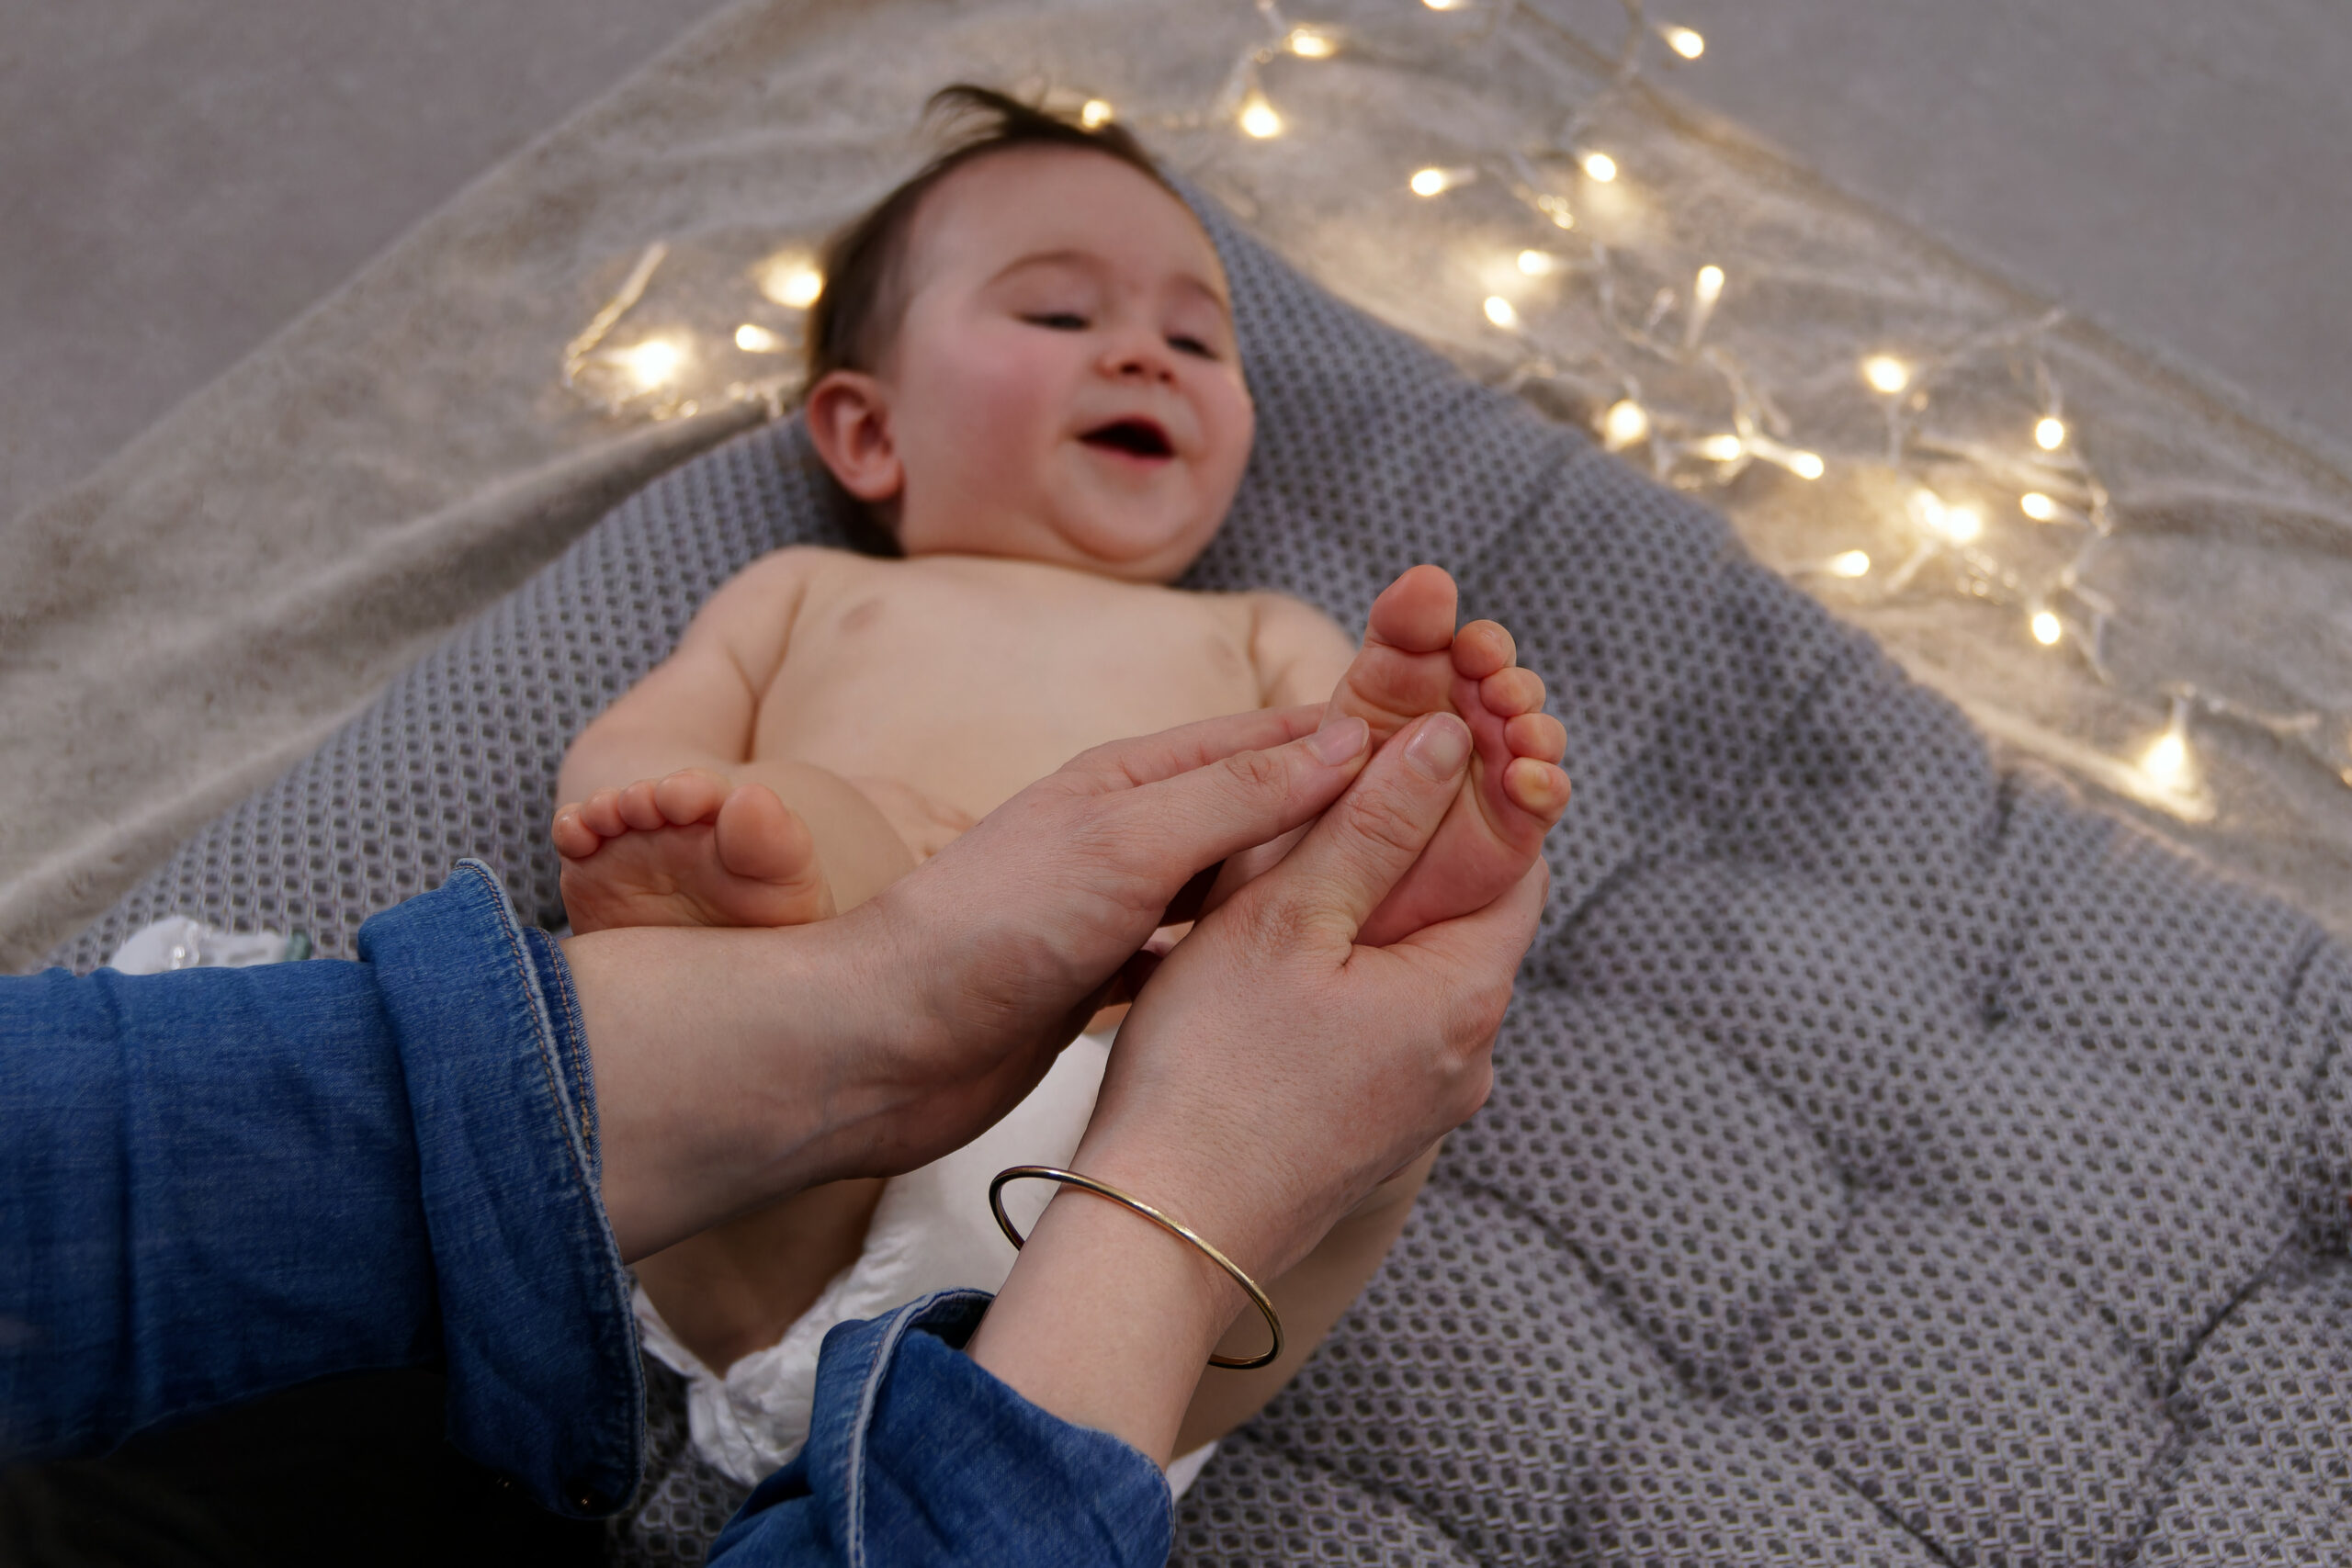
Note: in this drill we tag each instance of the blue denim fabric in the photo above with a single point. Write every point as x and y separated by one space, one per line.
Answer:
917 1455
221 1182
216 1183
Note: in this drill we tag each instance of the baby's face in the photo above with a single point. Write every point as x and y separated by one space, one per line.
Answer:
1064 386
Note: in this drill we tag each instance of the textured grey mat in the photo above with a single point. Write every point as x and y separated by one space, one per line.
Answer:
1890 1160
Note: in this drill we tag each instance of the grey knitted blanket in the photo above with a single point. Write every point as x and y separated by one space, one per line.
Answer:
1890 1161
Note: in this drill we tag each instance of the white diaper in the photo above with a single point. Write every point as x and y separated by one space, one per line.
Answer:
932 1231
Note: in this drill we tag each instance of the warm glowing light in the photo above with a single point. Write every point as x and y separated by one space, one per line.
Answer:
1626 422
1853 563
1538 264
1601 166
2046 628
652 362
1953 524
1709 286
2038 506
753 339
2166 762
1097 114
1308 44
1498 311
1445 5
1555 207
790 281
2049 434
1721 448
1886 374
1686 42
1259 119
1431 182
1807 464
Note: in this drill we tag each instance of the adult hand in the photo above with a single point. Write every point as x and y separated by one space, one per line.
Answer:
734 1067
1270 1074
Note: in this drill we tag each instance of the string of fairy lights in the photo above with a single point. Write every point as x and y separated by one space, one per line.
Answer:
1945 531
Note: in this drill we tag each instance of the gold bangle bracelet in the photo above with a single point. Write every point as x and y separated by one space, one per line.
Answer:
1258 1298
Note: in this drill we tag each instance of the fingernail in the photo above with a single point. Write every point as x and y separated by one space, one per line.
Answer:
1442 747
1335 743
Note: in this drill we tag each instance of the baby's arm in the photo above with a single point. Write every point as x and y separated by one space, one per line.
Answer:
1310 1299
699 709
1300 652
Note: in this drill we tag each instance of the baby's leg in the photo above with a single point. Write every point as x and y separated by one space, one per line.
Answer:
1413 662
718 843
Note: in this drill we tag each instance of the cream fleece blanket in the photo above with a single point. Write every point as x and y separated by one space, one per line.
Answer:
203 610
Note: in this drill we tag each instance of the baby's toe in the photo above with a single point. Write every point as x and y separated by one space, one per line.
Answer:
572 836
1416 611
1506 693
691 794
639 809
1536 735
1481 649
601 814
1538 788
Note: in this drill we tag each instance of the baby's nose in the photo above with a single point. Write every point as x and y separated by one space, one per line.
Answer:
1140 358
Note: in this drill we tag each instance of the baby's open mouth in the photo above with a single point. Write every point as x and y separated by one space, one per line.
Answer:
1136 437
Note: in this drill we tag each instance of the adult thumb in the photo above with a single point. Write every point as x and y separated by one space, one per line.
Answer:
1369 837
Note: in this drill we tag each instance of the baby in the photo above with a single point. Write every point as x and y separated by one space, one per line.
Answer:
1023 365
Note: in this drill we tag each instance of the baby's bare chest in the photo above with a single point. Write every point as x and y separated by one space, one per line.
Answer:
968 690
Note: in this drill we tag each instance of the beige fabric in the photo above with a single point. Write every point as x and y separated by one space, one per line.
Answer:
204 609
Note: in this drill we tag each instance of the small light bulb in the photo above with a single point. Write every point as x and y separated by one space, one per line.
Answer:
1625 424
1259 119
1538 264
1308 44
1601 166
2046 628
790 281
1710 284
1097 114
1555 207
1963 525
1498 311
1853 563
1686 42
1886 374
1807 464
2049 434
2038 506
652 362
2166 762
1721 448
1444 4
1429 182
753 339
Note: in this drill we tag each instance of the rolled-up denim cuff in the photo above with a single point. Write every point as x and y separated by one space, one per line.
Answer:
917 1454
543 1381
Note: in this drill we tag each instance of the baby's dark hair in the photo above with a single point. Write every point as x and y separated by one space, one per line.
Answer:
853 322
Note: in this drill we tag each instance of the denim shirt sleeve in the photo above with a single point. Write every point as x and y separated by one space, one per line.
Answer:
221 1182
916 1454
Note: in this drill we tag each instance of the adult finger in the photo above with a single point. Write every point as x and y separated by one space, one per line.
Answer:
1147 759
1200 817
1349 860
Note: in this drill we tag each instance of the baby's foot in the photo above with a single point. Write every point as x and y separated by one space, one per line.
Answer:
688 850
1413 662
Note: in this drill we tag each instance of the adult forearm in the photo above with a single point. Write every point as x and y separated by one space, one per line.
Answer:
224 1183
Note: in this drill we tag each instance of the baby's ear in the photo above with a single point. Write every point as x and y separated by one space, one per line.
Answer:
848 419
